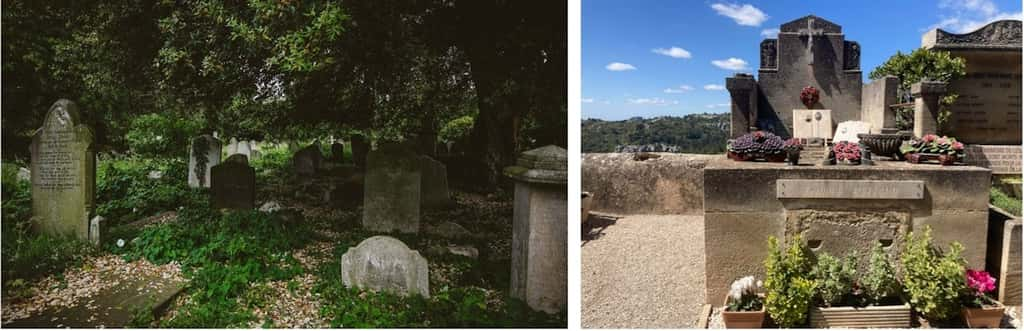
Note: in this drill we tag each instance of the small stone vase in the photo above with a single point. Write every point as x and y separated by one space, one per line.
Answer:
792 157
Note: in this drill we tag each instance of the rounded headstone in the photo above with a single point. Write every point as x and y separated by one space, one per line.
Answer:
384 263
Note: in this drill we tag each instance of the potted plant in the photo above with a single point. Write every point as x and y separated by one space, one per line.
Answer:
744 306
793 146
872 301
846 152
788 291
933 281
981 311
945 150
809 96
757 145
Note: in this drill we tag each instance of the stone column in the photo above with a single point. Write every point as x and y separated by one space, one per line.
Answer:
540 228
876 97
926 106
743 95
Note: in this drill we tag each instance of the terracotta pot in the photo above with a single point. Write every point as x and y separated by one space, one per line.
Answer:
781 157
946 159
740 157
793 157
984 317
913 157
742 319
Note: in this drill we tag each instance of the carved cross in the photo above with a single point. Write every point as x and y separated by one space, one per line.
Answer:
810 32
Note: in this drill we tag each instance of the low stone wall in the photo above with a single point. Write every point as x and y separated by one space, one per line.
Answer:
670 184
1002 159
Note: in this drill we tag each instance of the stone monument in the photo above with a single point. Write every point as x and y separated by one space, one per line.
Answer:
359 149
540 228
338 151
434 183
391 190
384 263
233 184
203 154
307 161
63 173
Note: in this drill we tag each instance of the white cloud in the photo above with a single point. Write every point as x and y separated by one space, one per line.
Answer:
743 15
986 7
675 52
652 101
718 105
770 33
714 87
587 100
681 89
969 15
731 63
619 66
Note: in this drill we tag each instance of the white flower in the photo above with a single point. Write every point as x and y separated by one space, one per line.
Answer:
120 243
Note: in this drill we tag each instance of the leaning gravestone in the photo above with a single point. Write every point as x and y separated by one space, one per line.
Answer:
63 173
233 183
384 263
338 152
391 193
203 155
434 184
307 161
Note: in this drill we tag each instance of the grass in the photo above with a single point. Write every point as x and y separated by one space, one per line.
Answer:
1004 201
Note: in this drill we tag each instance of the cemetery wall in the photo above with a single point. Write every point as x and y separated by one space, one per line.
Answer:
672 184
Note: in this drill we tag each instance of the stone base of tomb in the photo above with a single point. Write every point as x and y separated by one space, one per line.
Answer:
839 210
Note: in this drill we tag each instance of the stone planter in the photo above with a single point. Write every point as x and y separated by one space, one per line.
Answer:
897 316
792 157
781 157
585 204
943 159
984 317
847 162
884 144
741 319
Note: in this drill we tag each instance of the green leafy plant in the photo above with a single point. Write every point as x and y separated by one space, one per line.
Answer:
922 64
834 279
879 283
932 280
788 290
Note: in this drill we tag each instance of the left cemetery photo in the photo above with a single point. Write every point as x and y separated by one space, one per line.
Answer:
284 164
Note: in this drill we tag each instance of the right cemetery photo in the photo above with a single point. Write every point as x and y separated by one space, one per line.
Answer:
783 165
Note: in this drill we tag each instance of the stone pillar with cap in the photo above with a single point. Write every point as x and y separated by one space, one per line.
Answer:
540 229
926 106
743 94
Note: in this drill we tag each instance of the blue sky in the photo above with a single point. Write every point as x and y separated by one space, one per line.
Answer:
670 57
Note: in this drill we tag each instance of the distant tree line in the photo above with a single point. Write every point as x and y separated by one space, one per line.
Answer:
694 133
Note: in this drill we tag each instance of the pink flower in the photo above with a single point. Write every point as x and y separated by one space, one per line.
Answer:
943 141
929 138
958 146
980 281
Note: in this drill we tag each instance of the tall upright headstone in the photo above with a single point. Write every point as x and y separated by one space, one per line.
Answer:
434 183
233 184
988 109
203 154
391 190
809 51
540 228
63 173
307 161
359 149
245 149
338 151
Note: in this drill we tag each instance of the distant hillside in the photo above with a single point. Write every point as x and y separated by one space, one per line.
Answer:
695 133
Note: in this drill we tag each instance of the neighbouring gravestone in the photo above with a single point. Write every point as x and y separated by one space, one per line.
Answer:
233 184
1002 159
808 51
338 152
307 161
812 123
391 193
97 230
386 264
24 175
203 155
877 97
434 183
926 106
232 147
540 228
245 149
359 149
63 173
988 109
848 131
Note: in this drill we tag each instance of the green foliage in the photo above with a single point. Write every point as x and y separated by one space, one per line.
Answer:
922 64
457 130
833 279
931 279
125 193
161 135
788 290
695 133
1004 201
880 283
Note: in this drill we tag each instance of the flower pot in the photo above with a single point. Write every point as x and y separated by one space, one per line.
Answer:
984 317
914 158
946 159
742 319
848 162
793 157
741 157
896 316
781 157
585 213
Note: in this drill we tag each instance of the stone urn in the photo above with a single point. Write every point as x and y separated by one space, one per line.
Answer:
884 144
987 316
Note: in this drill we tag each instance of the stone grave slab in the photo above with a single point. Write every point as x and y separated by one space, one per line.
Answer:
849 189
233 184
848 131
391 190
203 154
63 173
812 123
383 263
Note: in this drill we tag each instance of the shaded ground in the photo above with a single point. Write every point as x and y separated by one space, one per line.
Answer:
642 271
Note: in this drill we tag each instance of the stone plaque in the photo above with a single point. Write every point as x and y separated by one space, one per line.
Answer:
63 173
849 189
1002 159
812 123
849 232
384 263
233 184
848 131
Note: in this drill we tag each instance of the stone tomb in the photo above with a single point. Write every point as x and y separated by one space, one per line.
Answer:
836 209
233 183
203 154
988 109
63 173
391 190
434 183
809 51
383 263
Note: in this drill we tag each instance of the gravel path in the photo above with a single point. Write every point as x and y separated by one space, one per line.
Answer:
643 271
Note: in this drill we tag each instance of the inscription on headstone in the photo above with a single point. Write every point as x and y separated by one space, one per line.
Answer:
63 173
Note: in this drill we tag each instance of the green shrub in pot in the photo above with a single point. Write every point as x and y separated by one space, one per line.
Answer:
932 280
879 284
788 290
833 279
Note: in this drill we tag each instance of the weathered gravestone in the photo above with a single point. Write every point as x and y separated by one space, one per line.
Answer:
434 184
391 193
233 183
848 131
245 149
809 51
540 228
202 156
384 263
232 147
988 109
63 173
338 152
307 161
359 149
